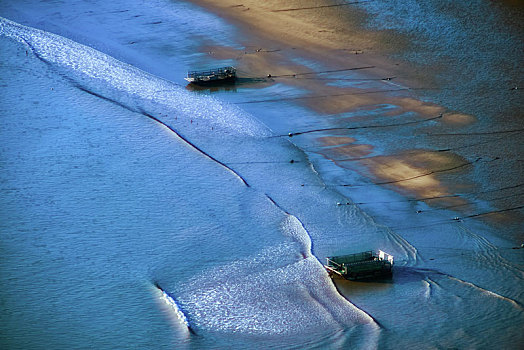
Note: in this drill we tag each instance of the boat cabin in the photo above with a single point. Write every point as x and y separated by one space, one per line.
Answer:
212 76
363 265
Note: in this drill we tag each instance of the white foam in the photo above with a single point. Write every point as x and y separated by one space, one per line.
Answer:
274 292
171 302
89 66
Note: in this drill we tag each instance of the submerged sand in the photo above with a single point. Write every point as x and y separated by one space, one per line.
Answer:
331 33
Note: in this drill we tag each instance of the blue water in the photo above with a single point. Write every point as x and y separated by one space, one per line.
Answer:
473 47
114 177
101 201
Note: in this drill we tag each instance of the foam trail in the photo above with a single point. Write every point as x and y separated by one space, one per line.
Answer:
409 250
227 302
430 287
42 45
427 289
85 65
488 292
249 295
171 302
295 229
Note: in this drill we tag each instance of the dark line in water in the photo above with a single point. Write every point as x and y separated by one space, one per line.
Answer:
492 212
321 6
434 197
196 147
292 161
473 202
364 127
480 133
167 126
82 88
37 55
430 224
417 176
458 219
303 252
73 82
467 146
322 72
276 205
405 200
345 79
412 152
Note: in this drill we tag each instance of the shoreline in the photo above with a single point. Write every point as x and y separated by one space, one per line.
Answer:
284 42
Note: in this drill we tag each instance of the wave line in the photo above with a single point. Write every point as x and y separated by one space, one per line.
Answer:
366 126
178 134
515 303
172 302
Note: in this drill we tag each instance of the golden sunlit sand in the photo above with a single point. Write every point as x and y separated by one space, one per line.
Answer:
274 33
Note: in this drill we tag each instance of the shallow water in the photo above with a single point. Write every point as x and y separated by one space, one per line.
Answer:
119 201
114 179
467 56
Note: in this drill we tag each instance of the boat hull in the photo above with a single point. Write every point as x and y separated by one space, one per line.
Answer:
218 81
212 77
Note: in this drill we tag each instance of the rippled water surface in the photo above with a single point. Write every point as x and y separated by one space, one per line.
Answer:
116 180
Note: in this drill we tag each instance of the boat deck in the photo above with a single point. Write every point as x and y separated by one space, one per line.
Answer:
360 265
217 75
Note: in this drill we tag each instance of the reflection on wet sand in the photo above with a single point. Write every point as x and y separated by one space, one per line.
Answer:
413 172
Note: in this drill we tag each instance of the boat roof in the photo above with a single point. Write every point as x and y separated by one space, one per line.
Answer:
212 70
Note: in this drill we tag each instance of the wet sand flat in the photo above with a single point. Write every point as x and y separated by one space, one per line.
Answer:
353 78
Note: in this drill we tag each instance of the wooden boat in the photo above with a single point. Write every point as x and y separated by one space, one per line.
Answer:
360 265
212 76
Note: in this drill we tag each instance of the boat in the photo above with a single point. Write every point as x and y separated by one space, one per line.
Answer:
364 265
212 76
